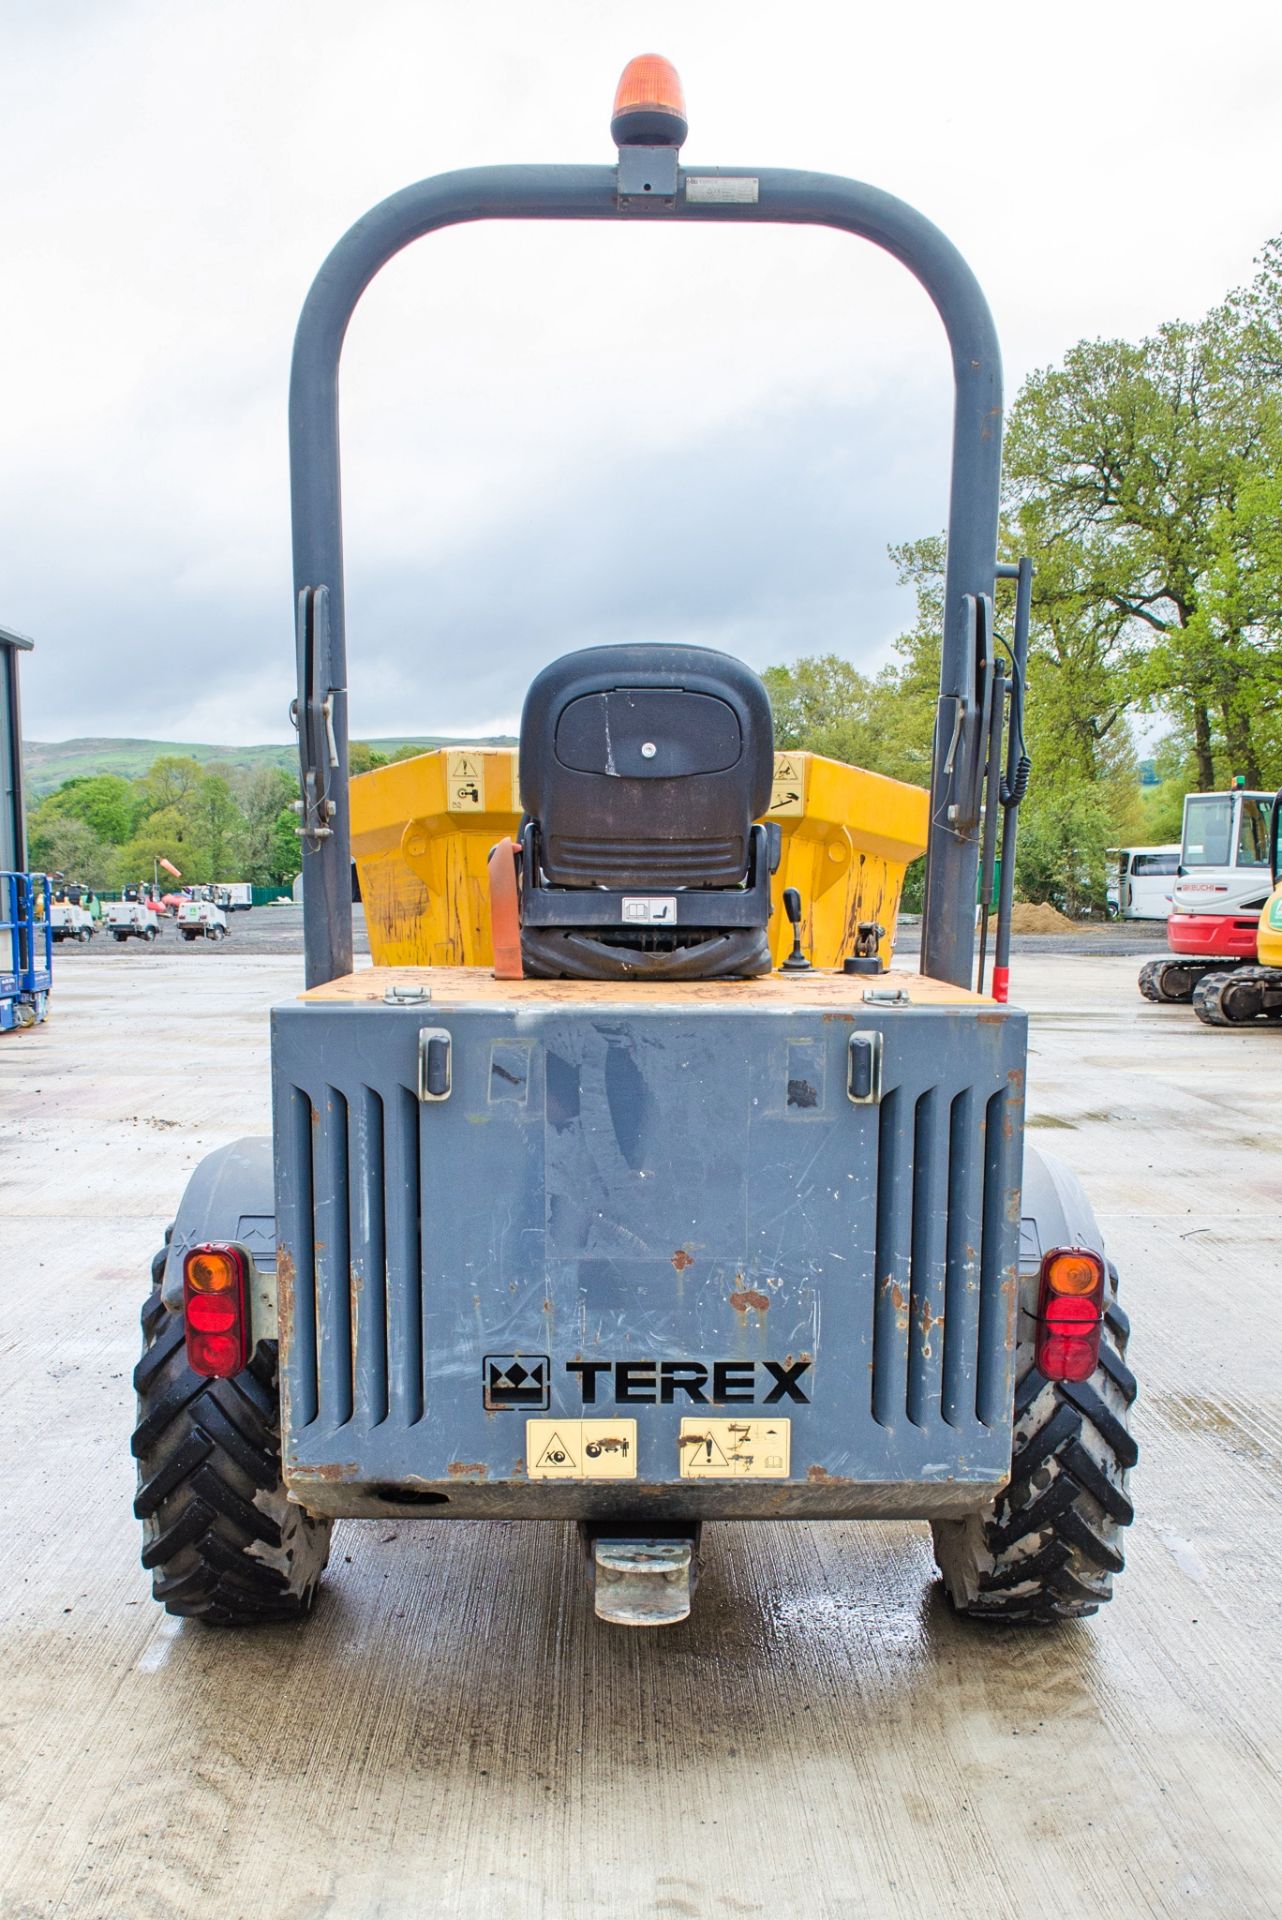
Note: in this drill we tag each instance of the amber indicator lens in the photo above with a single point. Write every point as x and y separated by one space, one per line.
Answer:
212 1272
1074 1273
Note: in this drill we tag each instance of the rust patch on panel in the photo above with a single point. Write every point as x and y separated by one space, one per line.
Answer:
742 1301
284 1291
681 1259
467 1469
329 1473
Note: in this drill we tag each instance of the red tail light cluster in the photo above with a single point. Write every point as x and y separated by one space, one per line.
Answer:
1070 1314
216 1310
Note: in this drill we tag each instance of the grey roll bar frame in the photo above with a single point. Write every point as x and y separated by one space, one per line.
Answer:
775 196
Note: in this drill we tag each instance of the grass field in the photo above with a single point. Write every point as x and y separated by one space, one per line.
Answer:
49 762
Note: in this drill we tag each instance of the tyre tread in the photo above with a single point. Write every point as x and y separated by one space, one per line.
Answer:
1047 1549
221 1541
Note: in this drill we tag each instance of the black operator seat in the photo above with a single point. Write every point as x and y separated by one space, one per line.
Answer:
642 770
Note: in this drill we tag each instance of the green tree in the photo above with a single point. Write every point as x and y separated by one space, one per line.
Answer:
216 826
1135 472
165 834
168 782
106 803
60 843
362 758
270 845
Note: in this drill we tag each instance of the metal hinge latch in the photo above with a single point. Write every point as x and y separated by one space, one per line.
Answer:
435 1064
863 1074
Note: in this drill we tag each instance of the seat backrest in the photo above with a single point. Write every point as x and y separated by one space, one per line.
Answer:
645 766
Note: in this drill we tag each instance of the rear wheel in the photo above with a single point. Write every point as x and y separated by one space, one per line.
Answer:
221 1540
1048 1547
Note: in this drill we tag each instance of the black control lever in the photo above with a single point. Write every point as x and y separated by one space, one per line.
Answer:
796 961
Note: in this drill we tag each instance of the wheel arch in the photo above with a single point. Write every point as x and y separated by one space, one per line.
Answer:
1054 1212
230 1196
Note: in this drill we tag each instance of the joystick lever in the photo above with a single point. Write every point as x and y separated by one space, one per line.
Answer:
796 961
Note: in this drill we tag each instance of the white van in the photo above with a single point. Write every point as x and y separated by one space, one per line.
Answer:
1139 886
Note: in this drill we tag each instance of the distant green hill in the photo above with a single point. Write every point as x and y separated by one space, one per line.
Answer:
48 763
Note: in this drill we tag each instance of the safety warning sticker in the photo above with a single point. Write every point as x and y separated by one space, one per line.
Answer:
787 792
581 1449
734 1449
464 783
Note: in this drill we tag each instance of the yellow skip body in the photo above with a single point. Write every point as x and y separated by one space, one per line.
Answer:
422 831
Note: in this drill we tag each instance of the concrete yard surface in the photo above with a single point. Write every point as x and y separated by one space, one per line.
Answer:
453 1733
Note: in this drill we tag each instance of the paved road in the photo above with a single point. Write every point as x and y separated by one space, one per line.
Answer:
453 1734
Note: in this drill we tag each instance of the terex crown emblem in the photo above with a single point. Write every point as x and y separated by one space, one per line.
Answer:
516 1380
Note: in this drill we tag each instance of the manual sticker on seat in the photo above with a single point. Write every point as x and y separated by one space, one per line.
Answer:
581 1449
734 1449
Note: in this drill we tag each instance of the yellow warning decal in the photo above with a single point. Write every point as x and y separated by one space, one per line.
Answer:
581 1449
734 1449
464 783
787 794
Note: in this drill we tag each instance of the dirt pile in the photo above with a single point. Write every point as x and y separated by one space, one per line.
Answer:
1043 918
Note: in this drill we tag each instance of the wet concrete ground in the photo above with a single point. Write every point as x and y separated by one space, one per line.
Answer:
453 1734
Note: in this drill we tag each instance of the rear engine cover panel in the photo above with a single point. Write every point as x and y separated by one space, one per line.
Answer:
637 1225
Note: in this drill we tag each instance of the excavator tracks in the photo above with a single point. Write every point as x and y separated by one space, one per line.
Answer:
1239 998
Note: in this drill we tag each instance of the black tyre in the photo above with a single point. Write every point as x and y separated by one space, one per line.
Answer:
1048 1547
222 1542
189 937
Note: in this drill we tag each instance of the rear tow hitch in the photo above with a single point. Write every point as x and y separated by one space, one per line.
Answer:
643 1582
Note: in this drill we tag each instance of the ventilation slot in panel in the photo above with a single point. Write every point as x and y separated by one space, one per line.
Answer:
368 1266
304 1386
992 1386
402 1188
926 1310
961 1288
333 1258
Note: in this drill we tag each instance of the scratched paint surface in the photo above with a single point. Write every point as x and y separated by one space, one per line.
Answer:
608 1189
454 1734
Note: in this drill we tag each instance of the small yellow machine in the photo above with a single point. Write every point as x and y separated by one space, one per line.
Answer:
422 831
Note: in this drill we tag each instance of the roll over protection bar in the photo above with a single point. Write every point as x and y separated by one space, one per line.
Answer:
720 196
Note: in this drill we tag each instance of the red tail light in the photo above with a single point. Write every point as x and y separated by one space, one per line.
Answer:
216 1310
1070 1314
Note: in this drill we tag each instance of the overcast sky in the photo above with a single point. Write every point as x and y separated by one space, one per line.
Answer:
552 436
